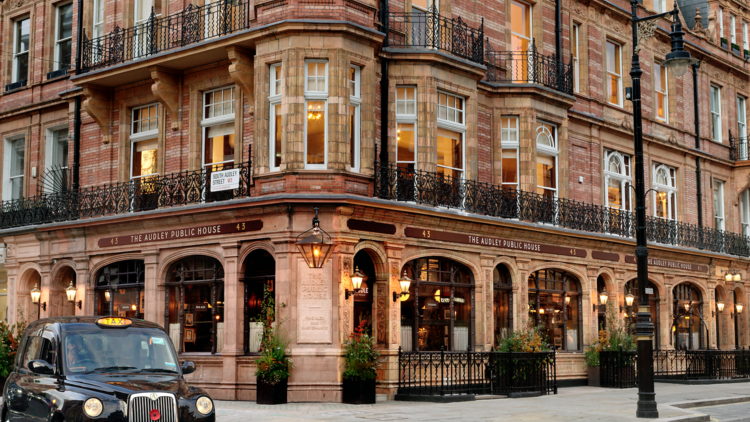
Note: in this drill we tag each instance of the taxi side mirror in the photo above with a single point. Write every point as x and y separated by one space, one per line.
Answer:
187 367
41 367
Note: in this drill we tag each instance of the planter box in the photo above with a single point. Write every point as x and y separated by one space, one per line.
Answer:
724 44
594 376
359 392
271 394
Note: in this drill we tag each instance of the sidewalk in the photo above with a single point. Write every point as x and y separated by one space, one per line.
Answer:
570 404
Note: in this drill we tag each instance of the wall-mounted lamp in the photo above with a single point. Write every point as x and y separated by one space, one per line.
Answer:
739 308
567 300
686 305
70 291
315 248
732 275
603 296
357 278
36 296
719 307
629 298
405 282
107 296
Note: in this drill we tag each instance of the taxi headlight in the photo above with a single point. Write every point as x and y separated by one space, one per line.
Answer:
204 405
93 407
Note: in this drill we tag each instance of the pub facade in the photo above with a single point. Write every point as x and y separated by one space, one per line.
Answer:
503 196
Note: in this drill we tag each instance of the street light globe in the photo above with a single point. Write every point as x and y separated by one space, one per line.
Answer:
678 59
405 282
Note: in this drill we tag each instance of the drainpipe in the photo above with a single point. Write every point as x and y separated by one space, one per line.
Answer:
558 30
77 105
384 91
698 147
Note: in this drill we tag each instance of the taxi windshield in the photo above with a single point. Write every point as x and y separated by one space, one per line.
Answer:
110 350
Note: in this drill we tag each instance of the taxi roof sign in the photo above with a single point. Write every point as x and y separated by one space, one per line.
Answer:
114 322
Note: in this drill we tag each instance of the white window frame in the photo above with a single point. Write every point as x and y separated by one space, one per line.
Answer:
721 23
317 96
7 159
17 54
619 75
142 136
547 150
356 102
660 6
744 38
625 179
510 142
407 119
273 100
98 18
576 63
665 91
732 28
670 190
715 114
58 42
745 212
719 219
529 38
215 121
50 150
138 49
456 127
742 127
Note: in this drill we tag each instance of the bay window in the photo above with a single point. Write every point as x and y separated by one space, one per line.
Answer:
618 179
665 198
661 90
719 205
509 142
63 36
144 150
614 73
546 160
316 103
406 126
716 113
355 100
218 129
274 121
450 139
22 31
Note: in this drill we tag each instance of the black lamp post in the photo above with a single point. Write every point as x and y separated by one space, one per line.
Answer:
677 61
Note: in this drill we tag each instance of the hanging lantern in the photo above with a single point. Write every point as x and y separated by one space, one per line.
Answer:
36 294
686 305
405 283
737 277
315 248
603 296
357 278
629 298
133 307
739 308
70 291
567 300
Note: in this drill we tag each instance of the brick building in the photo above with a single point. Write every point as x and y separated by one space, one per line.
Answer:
495 175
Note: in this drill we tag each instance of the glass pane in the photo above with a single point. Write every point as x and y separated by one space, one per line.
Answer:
545 171
219 144
316 136
435 318
614 193
520 15
145 155
277 135
662 205
571 338
65 30
63 54
22 36
22 67
405 139
509 166
502 315
17 158
449 149
352 135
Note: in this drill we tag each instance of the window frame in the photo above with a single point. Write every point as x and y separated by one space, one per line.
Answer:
58 42
274 99
715 115
530 37
97 27
745 212
575 52
741 116
8 158
455 127
406 118
626 180
208 122
510 145
732 29
550 151
744 37
719 218
317 96
148 135
15 77
356 102
721 23
51 149
670 190
664 83
618 52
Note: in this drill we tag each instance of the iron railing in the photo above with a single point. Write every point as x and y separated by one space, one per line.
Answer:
457 373
408 185
160 33
701 364
529 67
737 148
431 30
148 193
617 369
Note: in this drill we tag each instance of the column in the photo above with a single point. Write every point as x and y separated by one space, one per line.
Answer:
233 319
82 282
154 297
484 306
45 285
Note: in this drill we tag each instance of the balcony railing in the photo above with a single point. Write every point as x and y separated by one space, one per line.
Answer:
529 67
737 148
192 25
148 193
408 185
430 30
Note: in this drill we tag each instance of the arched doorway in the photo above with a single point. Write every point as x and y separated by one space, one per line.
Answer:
59 304
439 310
738 304
120 289
260 274
363 299
502 286
25 309
555 304
601 310
195 294
719 319
688 328
631 287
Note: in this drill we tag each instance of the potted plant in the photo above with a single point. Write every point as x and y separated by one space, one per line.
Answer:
747 54
273 364
360 367
735 49
525 375
10 334
616 337
592 357
724 43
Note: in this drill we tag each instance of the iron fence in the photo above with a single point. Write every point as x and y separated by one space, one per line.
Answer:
737 148
529 67
405 184
701 364
617 369
458 373
431 30
144 194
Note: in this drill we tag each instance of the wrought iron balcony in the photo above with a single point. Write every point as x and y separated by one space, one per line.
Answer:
408 185
529 67
145 194
430 30
737 148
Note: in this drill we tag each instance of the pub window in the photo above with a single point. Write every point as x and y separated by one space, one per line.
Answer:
665 195
406 123
22 32
260 275
509 141
218 129
143 140
438 311
355 125
716 113
274 127
503 303
618 179
120 289
631 313
195 298
316 103
546 160
450 135
63 36
688 329
614 73
555 304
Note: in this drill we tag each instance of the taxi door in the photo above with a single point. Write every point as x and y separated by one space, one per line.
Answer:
39 402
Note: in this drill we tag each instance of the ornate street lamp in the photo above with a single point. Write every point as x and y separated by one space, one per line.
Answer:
405 282
629 298
356 278
36 296
70 291
677 61
315 248
739 308
720 306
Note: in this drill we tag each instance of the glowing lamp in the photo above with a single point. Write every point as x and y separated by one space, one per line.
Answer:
728 277
36 294
739 308
686 305
720 306
357 278
315 249
567 300
629 299
603 296
70 291
107 295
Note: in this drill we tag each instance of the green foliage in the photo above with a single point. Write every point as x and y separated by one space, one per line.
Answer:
10 335
617 336
274 363
530 339
360 356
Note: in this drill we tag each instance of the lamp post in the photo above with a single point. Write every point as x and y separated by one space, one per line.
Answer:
677 61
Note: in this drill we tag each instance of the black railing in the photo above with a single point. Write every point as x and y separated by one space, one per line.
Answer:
192 25
737 148
148 193
617 369
529 67
430 30
456 373
408 185
701 364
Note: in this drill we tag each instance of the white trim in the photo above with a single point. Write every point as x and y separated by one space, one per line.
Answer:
721 23
715 114
623 178
670 189
50 149
550 151
58 42
98 26
530 37
508 144
745 213
271 136
8 151
209 122
405 117
355 101
659 69
220 120
15 77
317 94
143 136
732 27
617 73
576 62
719 218
744 38
273 95
146 134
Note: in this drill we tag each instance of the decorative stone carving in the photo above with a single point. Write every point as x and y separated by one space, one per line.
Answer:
626 124
711 31
166 89
698 27
97 105
593 15
10 251
672 138
488 309
578 8
381 320
242 72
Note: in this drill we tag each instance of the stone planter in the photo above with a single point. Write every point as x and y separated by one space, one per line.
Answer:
594 376
359 392
271 394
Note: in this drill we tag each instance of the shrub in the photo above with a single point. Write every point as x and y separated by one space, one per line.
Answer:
360 356
530 339
274 362
617 336
10 335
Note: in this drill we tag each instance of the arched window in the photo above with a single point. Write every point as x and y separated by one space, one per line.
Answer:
119 289
665 185
555 304
631 314
260 274
546 160
689 329
195 298
618 178
503 302
363 299
437 313
601 311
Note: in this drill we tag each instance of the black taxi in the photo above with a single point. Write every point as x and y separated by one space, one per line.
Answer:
100 368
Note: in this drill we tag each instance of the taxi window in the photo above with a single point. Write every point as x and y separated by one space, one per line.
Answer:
48 352
31 351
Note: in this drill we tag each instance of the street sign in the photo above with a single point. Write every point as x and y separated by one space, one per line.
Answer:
225 180
649 291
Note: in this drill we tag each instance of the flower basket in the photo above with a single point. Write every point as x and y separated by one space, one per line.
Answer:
594 376
359 392
271 393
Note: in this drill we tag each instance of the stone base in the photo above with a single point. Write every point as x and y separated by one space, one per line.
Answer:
524 394
436 399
